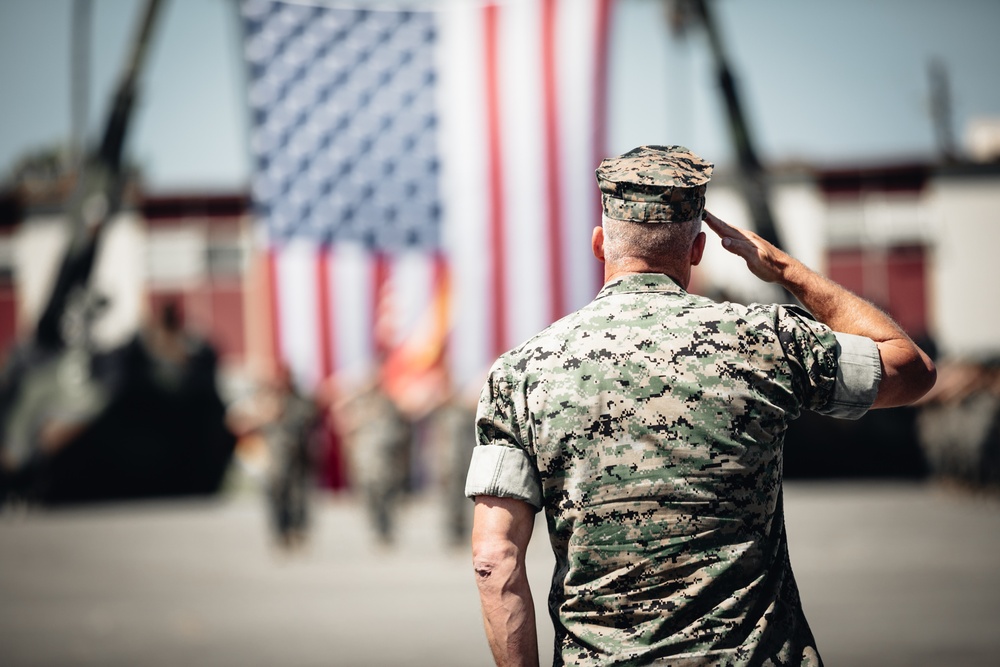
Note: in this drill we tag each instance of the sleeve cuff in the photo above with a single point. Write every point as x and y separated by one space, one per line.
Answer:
858 374
502 471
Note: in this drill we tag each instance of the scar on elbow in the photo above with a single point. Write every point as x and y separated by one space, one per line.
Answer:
485 563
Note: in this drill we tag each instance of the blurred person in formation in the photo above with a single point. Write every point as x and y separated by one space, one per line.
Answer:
290 436
453 425
958 425
648 426
379 436
287 423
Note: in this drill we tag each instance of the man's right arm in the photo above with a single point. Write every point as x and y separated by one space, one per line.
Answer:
501 530
907 372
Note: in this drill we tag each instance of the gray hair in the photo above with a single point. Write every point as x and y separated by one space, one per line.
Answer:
654 243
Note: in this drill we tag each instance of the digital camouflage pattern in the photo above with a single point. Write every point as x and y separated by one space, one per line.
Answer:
654 184
655 421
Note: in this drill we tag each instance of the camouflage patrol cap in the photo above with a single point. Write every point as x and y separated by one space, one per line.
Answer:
654 184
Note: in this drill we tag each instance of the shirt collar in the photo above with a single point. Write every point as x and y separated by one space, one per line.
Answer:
641 282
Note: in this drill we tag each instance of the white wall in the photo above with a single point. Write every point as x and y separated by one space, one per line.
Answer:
119 274
798 213
965 271
39 245
720 269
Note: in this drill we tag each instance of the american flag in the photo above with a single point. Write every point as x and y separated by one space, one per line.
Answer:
424 173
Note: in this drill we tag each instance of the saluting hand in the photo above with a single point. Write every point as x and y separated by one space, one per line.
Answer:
763 259
907 372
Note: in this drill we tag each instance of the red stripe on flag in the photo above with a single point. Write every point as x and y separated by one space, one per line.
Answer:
382 324
600 104
498 256
552 163
277 358
323 310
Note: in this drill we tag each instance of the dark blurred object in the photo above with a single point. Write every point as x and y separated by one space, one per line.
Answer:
163 431
952 434
48 396
141 420
941 110
882 444
959 423
144 419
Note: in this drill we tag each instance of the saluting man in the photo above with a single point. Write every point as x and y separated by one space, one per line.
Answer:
649 427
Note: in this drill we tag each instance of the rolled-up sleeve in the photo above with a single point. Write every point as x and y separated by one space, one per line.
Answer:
836 374
859 372
500 464
502 471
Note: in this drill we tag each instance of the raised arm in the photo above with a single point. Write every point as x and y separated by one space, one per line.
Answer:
907 372
501 530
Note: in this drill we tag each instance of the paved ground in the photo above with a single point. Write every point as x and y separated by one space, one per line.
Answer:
890 574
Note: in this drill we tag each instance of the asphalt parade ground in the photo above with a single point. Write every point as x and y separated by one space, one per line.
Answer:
891 574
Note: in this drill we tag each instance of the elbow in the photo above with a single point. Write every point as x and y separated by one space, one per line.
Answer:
490 556
500 533
919 374
494 564
918 378
907 374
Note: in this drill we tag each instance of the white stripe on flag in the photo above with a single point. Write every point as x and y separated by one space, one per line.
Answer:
466 211
351 291
576 60
295 267
411 284
528 288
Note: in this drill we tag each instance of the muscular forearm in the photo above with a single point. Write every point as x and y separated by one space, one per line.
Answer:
907 372
836 307
501 530
508 611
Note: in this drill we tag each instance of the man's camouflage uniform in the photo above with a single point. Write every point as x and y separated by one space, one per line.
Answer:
649 427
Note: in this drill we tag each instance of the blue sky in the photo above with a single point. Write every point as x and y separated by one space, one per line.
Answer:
826 83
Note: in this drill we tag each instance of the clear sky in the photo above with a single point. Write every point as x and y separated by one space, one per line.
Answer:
829 83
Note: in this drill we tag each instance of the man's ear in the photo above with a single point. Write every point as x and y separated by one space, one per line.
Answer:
597 242
698 248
